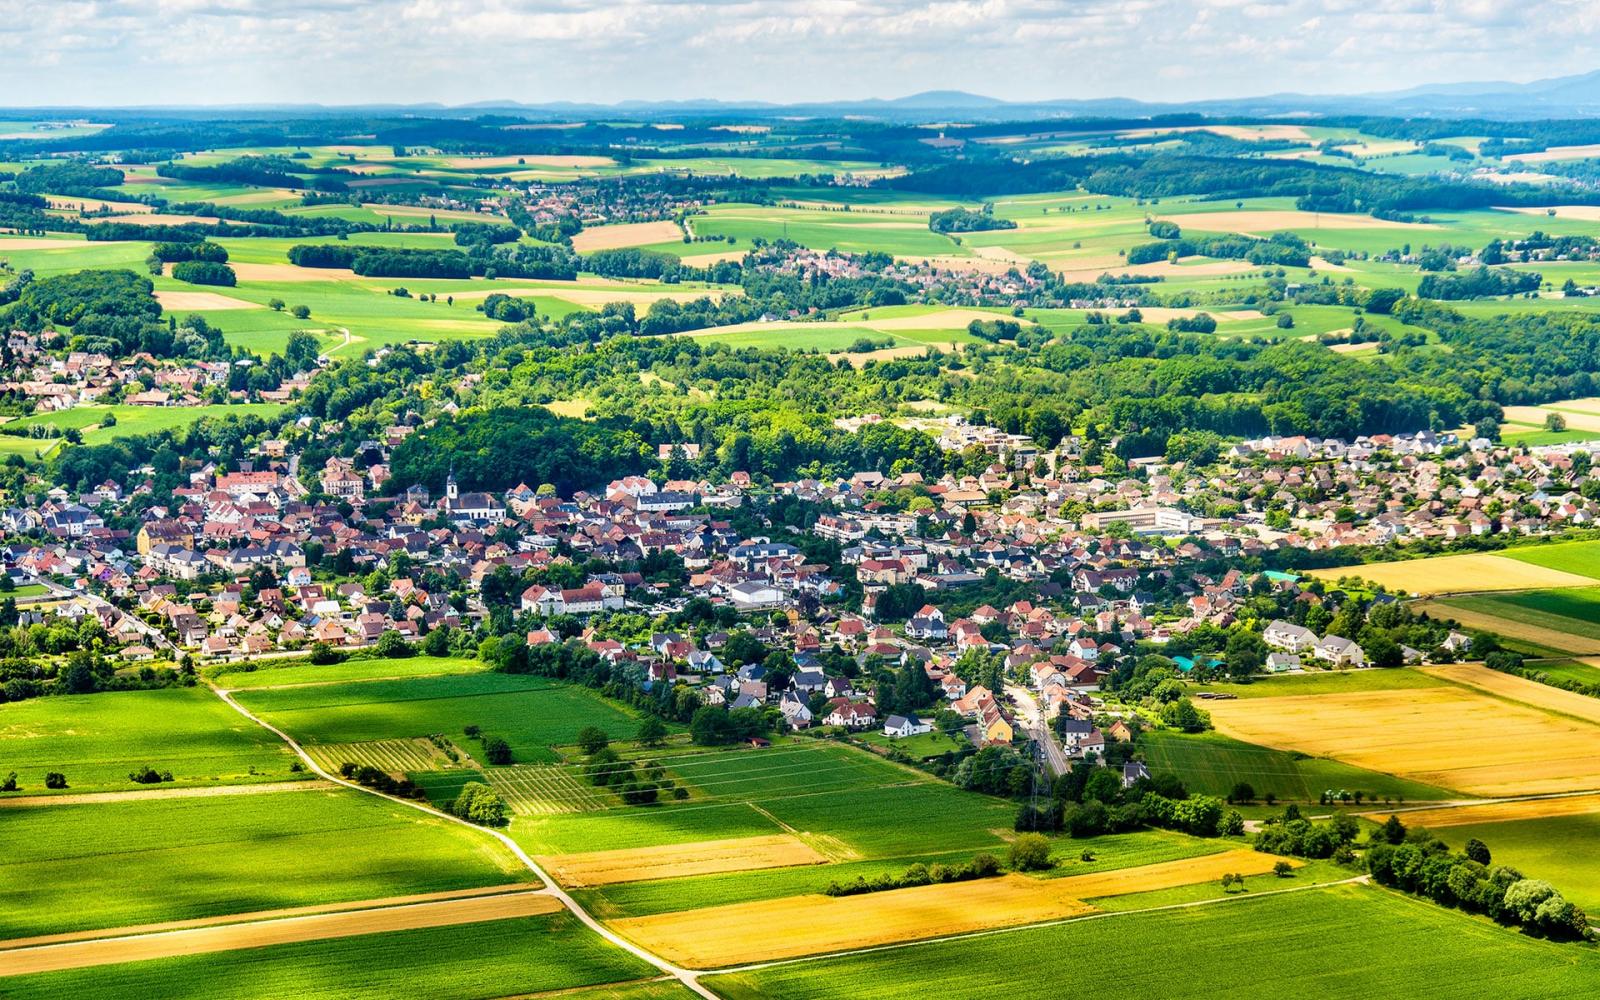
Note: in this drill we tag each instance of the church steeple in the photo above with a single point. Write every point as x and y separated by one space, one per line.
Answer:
450 489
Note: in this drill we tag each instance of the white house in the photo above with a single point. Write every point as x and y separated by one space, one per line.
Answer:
1340 652
905 725
1289 636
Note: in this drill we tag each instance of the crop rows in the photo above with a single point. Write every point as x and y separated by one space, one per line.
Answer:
543 790
393 756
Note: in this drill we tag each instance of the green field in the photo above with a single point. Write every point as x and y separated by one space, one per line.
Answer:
1573 610
287 673
1325 941
96 739
74 867
1551 848
132 420
498 958
826 790
1212 763
1582 558
531 713
1325 682
1566 670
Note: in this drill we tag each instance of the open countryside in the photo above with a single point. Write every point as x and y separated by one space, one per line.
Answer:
495 504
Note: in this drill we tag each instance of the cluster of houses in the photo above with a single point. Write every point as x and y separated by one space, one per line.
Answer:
53 381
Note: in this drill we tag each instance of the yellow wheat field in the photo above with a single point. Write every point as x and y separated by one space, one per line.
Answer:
1447 736
770 929
1466 573
705 857
1496 812
1519 689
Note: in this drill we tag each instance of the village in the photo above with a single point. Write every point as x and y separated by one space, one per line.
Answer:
270 559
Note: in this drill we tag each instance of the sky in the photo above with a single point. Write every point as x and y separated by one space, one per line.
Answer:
140 52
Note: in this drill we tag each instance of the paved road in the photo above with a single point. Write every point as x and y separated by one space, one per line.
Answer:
1032 717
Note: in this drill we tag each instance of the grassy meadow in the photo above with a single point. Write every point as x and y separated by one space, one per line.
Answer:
1194 952
524 956
182 858
277 673
1213 764
531 713
96 739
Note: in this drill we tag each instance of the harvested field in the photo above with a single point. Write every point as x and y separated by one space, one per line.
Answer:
201 301
628 234
1582 213
1163 269
1576 421
1265 221
978 265
1555 153
942 319
545 790
529 160
705 857
1457 574
289 272
96 204
19 243
1162 314
1495 812
1451 737
155 219
393 756
1509 628
261 934
720 936
1520 690
707 259
600 296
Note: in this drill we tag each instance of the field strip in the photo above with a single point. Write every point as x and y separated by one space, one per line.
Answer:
1510 628
993 931
100 798
1520 689
258 916
288 930
1466 573
706 857
684 976
739 933
1450 736
1496 812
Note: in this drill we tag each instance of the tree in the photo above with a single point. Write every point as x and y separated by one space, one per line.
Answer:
10 784
478 803
1243 792
392 644
438 642
1477 850
592 740
1283 869
652 731
1030 852
55 779
496 750
300 312
1393 831
1245 655
1555 422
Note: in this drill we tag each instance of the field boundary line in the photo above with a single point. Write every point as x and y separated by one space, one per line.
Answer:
1098 915
140 794
262 916
689 978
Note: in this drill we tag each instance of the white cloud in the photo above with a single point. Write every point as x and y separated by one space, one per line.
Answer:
347 51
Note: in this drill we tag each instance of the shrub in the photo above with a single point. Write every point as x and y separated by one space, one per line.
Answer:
148 775
10 784
592 740
496 750
55 779
1030 852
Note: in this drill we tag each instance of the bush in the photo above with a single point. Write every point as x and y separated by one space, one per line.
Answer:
10 784
55 779
323 654
392 644
148 775
1030 852
1283 869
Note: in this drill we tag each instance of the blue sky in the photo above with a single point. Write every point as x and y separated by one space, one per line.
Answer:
128 52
